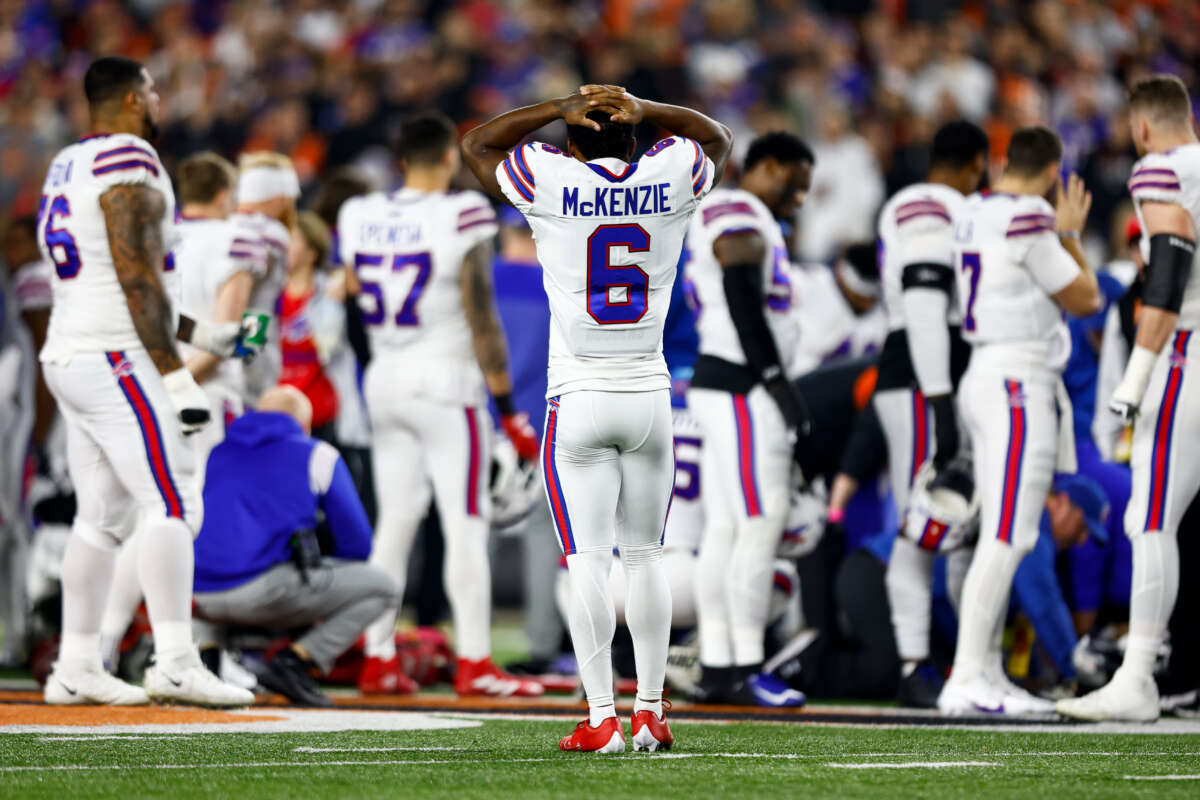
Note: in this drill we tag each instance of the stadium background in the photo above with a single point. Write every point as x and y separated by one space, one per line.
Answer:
866 83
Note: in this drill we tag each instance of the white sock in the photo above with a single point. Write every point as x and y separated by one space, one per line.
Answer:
86 575
909 580
593 621
654 706
394 534
748 587
597 714
648 616
165 567
125 594
1152 595
984 592
468 580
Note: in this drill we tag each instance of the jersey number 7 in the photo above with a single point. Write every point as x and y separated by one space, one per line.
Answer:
973 264
407 315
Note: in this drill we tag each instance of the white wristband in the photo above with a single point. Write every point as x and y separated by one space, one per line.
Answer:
1137 371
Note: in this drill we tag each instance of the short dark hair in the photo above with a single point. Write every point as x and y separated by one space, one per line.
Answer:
202 176
613 140
340 186
1032 149
779 145
1164 97
109 78
424 137
957 144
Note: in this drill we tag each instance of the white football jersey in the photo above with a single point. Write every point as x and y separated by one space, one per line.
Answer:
1009 262
273 238
608 235
209 253
916 227
33 285
728 211
685 523
89 313
829 330
407 248
1172 177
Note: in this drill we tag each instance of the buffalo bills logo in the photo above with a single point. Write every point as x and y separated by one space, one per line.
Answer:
1016 399
549 148
1178 360
122 368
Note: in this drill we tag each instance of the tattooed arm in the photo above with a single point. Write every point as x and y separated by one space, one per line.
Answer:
133 217
479 303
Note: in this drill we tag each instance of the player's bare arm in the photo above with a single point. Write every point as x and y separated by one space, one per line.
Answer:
1081 296
486 146
714 139
133 218
479 305
232 300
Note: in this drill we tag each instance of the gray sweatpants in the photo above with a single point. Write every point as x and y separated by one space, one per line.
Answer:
342 597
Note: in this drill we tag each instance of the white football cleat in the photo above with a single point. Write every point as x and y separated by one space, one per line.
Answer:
1126 698
191 683
970 697
1016 699
66 687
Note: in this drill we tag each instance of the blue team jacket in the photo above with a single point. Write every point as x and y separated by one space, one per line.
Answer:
258 492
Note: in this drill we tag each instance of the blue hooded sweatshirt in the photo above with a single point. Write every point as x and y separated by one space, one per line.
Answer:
263 483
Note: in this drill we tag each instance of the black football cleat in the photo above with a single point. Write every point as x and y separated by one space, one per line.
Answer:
921 687
292 676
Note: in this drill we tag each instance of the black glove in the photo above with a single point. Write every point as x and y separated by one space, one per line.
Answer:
791 404
945 431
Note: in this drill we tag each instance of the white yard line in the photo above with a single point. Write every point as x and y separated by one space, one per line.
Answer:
916 765
1162 777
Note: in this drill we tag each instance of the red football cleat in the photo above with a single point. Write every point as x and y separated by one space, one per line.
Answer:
384 677
652 733
607 737
482 677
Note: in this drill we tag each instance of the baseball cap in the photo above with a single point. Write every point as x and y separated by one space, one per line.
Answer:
1087 495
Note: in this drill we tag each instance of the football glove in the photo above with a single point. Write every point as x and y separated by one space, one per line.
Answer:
521 434
188 399
218 338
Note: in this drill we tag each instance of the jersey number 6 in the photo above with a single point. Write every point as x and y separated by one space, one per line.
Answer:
616 294
59 243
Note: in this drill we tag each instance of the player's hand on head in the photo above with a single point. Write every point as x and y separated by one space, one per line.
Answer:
188 399
1072 203
574 109
616 102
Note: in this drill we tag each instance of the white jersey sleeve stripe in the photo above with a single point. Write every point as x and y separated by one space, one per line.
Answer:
126 150
715 212
517 181
523 165
698 164
134 163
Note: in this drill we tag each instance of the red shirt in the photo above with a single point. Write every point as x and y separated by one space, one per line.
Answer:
301 367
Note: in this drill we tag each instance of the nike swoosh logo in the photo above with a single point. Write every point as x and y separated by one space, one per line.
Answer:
174 682
997 710
70 691
775 697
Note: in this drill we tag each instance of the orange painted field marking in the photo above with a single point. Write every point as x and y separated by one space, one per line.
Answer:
20 714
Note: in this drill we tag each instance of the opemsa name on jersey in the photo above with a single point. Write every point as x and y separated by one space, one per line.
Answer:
617 201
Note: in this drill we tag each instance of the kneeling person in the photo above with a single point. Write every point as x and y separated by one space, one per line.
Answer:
257 560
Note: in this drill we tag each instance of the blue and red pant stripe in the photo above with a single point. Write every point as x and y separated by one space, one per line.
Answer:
744 426
1164 429
152 438
558 501
475 458
1013 461
920 423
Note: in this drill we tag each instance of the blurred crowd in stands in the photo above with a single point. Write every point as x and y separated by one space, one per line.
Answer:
866 82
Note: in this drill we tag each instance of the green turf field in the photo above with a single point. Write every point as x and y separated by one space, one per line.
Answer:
518 759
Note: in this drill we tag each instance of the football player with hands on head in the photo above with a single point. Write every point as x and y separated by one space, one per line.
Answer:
750 413
1159 392
1019 267
923 359
107 224
424 257
609 232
